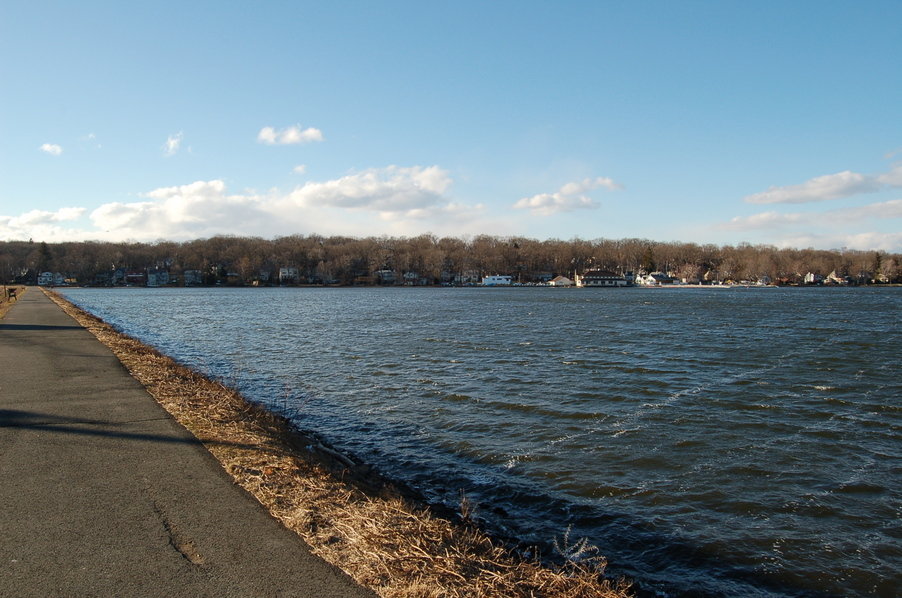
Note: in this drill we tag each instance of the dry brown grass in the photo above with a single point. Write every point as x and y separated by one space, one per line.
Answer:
386 542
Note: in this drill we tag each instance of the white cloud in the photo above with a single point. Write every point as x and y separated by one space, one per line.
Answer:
199 209
832 218
764 220
867 241
568 198
893 178
822 188
290 136
52 148
880 211
172 145
41 224
395 200
831 228
830 186
394 189
299 169
38 217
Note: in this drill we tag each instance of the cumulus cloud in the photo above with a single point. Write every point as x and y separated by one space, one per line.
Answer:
571 196
822 188
867 241
764 220
51 148
392 200
879 211
830 186
829 228
290 136
893 178
393 189
832 228
172 145
41 224
831 218
198 209
38 217
299 169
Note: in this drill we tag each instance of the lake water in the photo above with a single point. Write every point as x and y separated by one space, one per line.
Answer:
712 442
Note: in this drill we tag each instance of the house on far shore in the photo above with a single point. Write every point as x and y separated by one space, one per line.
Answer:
655 279
413 279
497 281
157 278
601 278
289 275
135 278
467 277
834 278
384 276
193 277
560 281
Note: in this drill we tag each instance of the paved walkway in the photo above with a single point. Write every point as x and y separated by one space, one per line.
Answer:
103 494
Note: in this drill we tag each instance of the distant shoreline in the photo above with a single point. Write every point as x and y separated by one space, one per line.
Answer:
477 286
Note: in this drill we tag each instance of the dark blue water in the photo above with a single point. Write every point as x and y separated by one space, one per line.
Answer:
729 442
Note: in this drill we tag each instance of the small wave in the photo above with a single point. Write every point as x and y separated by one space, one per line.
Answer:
625 431
860 488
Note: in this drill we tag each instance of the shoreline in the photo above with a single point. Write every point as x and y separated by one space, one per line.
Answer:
372 528
52 288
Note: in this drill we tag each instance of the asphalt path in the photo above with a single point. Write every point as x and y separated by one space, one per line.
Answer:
103 494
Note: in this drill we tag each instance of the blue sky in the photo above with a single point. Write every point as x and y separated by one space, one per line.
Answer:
711 122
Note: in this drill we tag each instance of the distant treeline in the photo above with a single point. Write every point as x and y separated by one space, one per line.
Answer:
426 259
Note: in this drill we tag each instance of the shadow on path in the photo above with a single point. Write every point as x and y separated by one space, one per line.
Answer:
37 327
31 420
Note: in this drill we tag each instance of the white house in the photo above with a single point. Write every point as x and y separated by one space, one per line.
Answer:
601 278
560 281
497 281
655 279
833 278
45 279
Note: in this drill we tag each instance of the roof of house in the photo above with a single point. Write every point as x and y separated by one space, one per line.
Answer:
601 274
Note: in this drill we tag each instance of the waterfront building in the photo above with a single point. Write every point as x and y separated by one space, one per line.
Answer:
560 281
497 281
601 278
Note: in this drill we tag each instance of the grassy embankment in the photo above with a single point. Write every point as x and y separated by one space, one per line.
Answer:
350 516
5 302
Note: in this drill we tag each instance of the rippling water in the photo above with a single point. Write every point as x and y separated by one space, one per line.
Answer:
737 442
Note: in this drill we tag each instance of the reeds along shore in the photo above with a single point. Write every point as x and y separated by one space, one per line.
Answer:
350 516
